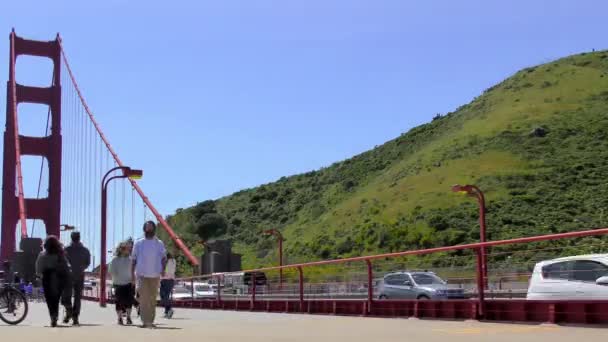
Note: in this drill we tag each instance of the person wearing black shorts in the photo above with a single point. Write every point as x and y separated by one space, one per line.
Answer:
124 289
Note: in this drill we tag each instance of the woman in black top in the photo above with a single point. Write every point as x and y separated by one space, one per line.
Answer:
53 267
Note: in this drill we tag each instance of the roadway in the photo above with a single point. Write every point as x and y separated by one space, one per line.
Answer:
228 326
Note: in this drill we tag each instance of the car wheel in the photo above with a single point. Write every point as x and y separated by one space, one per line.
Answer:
423 297
383 297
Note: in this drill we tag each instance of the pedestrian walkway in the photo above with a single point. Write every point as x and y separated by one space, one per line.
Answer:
226 326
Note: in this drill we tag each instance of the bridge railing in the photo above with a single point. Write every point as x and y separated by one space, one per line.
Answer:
353 285
357 286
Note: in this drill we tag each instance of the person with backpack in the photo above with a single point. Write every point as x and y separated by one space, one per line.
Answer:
54 269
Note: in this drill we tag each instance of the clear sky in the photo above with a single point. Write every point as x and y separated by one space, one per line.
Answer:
210 97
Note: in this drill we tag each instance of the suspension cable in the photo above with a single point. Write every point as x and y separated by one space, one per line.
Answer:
133 213
176 240
123 209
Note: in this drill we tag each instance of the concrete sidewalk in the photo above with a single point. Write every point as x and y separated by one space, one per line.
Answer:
228 326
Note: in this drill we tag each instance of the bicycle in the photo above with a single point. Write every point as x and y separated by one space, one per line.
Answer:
13 304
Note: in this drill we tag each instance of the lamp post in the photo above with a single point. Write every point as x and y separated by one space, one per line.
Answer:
280 239
127 172
474 191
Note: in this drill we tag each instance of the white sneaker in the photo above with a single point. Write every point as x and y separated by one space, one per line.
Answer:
170 314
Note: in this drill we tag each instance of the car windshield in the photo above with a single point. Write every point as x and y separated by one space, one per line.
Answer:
202 288
427 279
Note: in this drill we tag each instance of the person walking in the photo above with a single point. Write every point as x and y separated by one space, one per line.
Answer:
166 285
124 290
54 269
80 259
149 262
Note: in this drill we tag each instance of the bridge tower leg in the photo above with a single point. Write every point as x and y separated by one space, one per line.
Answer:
46 209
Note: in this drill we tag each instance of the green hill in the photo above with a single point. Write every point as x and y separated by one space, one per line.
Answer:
535 143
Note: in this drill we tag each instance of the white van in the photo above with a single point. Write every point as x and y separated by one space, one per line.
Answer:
580 277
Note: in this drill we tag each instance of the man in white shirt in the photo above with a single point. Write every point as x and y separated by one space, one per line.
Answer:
166 285
149 262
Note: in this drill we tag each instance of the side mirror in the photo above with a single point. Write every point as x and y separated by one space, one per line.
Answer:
602 281
407 283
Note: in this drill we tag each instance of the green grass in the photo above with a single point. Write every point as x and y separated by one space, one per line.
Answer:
397 196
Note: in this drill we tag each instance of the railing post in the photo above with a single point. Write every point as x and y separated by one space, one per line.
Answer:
480 283
301 281
192 284
253 291
370 285
219 291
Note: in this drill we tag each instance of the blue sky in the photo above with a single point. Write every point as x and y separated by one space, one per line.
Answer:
210 97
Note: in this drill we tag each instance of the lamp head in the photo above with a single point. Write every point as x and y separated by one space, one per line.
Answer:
132 173
463 189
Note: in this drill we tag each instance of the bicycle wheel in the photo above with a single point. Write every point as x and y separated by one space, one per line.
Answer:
13 306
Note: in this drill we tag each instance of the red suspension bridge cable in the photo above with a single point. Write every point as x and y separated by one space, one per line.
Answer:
176 240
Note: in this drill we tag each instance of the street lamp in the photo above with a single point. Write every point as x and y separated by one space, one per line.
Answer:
474 191
66 227
280 238
127 172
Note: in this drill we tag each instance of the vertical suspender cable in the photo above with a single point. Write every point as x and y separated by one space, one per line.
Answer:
82 174
176 240
133 213
114 211
95 193
123 209
85 227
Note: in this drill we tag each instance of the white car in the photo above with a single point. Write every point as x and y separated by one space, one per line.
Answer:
203 290
581 277
181 293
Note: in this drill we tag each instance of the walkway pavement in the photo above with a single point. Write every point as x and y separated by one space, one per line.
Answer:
227 326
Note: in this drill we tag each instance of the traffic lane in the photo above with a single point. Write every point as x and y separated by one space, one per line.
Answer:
227 326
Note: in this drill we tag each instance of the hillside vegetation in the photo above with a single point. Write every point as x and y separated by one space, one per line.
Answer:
536 144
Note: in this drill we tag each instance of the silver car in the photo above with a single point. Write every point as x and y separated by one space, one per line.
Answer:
417 285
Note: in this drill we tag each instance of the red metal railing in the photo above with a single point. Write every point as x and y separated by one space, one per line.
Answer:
358 295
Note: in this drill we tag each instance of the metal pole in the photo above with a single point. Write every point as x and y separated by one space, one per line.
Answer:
482 233
301 281
192 283
370 284
102 264
480 284
280 261
253 283
219 291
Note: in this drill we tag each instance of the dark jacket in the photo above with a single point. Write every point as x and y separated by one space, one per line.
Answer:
52 263
79 258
